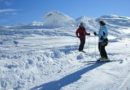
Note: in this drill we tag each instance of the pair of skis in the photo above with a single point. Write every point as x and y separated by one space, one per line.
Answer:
103 61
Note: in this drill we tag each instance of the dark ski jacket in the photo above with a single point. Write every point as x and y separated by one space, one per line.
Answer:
81 32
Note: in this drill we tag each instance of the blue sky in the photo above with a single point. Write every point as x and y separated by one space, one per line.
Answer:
26 11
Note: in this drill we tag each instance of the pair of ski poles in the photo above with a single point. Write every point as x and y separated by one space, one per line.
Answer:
88 45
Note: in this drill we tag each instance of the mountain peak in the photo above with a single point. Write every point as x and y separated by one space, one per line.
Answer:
56 19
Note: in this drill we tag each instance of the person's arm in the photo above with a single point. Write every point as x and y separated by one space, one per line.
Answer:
104 32
87 33
77 31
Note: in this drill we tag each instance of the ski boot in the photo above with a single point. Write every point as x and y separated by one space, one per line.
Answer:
102 59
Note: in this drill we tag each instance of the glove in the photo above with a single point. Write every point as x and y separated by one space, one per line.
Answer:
95 33
88 34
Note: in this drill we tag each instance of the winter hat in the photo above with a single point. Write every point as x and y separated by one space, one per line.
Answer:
102 23
81 24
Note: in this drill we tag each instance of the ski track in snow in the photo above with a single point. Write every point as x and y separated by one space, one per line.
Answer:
124 84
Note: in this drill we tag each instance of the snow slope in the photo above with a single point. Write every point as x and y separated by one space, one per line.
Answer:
47 59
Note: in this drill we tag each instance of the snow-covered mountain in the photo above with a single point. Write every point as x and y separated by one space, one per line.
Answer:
34 57
117 25
57 19
119 21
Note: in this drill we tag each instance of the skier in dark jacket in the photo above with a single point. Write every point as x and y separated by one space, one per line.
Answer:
103 41
81 34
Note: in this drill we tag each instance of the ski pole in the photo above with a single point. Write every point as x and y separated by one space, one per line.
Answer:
95 46
88 45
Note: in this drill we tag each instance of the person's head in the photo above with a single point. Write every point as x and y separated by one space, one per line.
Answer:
102 23
81 24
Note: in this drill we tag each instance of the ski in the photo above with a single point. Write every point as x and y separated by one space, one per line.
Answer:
98 61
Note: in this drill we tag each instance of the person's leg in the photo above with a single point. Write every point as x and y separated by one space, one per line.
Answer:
100 49
104 53
80 45
82 42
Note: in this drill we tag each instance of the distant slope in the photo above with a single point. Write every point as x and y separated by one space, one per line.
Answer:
119 21
118 26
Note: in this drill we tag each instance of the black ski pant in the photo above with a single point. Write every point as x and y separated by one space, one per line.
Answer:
82 42
102 51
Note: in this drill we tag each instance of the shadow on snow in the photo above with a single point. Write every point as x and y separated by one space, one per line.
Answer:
58 84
